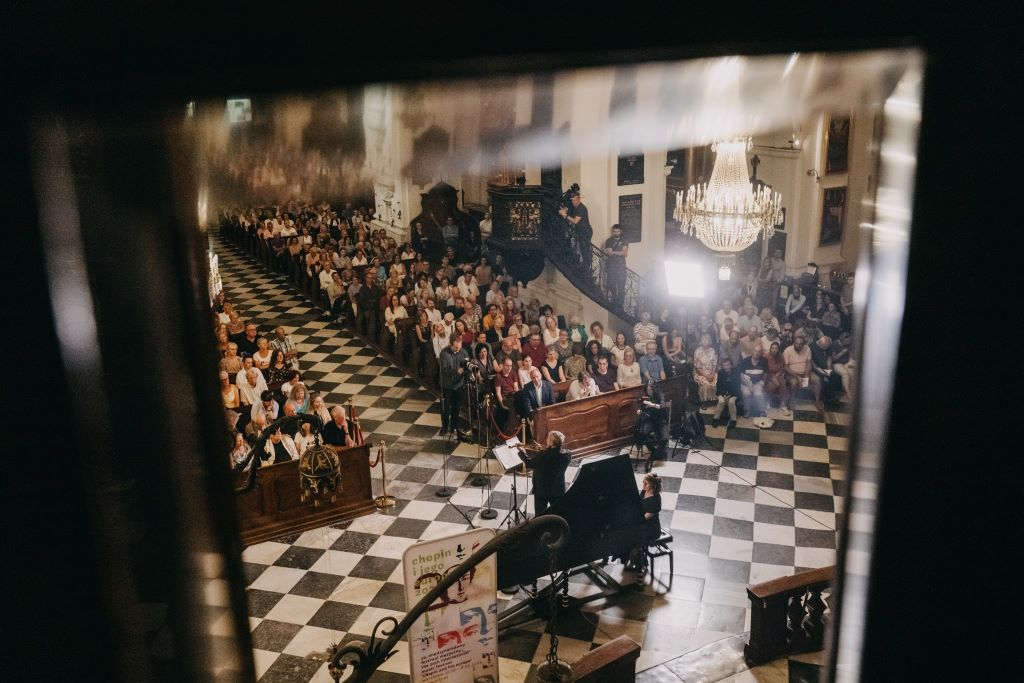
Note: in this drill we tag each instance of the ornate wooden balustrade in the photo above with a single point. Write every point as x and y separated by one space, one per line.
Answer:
788 615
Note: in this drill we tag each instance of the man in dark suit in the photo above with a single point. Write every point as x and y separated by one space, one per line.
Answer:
548 467
536 394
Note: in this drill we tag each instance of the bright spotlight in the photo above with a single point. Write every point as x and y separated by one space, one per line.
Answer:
724 273
685 278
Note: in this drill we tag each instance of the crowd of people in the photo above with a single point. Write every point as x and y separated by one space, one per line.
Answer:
261 382
472 325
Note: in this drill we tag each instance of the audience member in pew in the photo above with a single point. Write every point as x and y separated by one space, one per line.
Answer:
433 314
617 349
594 353
535 350
800 371
338 431
277 373
730 348
482 354
235 326
628 371
248 341
255 427
537 393
298 400
394 311
551 368
292 379
705 369
726 312
222 340
252 385
727 391
229 392
775 385
582 387
231 363
518 328
795 303
651 365
562 346
749 342
603 377
525 366
843 363
304 438
674 351
831 320
753 371
266 406
318 407
643 332
577 332
597 332
550 332
239 451
576 363
506 388
279 448
423 341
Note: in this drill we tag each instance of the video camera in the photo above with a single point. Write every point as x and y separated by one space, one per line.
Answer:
567 195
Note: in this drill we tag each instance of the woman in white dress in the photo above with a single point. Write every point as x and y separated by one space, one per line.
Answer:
550 331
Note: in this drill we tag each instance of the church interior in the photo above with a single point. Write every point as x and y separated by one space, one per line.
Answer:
692 274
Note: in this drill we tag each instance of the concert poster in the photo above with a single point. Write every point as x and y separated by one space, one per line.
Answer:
456 640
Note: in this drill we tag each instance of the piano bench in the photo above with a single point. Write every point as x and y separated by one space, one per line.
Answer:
660 548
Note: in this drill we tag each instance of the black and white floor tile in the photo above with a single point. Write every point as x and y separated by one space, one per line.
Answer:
753 506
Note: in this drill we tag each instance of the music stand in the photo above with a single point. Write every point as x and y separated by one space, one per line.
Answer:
508 455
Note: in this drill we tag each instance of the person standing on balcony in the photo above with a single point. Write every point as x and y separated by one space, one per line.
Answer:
616 248
580 217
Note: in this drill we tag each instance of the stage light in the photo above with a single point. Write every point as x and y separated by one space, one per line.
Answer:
685 278
724 273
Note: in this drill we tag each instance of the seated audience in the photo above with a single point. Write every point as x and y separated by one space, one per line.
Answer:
339 430
752 375
727 390
651 366
628 371
279 448
582 387
603 378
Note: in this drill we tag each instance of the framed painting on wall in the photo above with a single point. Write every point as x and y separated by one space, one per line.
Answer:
837 145
833 215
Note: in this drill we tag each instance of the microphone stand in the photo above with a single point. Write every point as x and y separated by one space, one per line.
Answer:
445 491
486 512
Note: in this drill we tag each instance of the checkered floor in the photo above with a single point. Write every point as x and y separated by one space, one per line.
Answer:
755 505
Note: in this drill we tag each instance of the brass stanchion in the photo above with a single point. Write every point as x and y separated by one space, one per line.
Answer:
351 411
383 501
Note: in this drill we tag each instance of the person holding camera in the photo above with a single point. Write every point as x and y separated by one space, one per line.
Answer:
653 427
453 368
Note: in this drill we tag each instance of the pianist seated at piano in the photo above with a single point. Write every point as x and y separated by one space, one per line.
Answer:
650 502
548 467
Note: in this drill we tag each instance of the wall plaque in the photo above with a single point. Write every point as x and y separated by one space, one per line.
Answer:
631 169
631 216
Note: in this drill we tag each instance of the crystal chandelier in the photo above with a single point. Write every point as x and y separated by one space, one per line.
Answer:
727 214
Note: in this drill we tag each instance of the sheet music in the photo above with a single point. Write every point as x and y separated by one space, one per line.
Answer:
508 456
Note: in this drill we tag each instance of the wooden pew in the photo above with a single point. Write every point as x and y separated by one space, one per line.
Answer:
601 423
275 507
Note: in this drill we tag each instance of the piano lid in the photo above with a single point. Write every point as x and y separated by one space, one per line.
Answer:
602 507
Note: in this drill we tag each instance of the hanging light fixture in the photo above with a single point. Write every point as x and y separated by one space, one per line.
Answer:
728 213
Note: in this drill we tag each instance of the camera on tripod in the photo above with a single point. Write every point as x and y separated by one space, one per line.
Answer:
567 195
472 369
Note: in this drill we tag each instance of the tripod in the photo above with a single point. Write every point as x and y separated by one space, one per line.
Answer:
515 516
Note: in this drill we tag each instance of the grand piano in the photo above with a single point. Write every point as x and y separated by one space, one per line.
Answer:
602 508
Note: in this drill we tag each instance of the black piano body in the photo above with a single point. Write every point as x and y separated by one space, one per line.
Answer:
602 508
